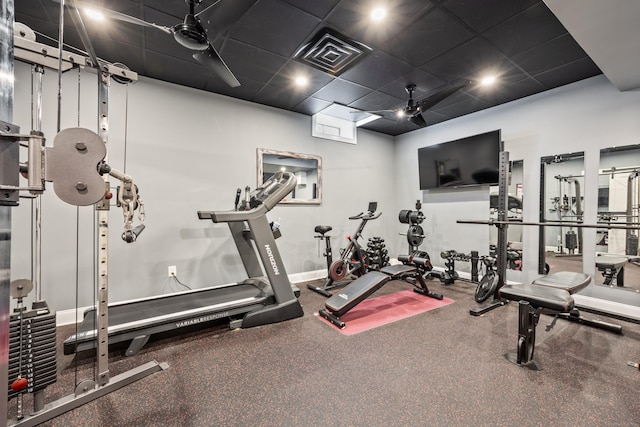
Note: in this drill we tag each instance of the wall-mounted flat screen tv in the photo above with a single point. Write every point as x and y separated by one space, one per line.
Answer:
474 160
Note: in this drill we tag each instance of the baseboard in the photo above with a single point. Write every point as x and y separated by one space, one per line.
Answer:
68 317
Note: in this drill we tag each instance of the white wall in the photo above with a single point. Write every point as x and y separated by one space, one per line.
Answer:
584 116
189 150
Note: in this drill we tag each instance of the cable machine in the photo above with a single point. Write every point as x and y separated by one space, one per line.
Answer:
631 212
76 165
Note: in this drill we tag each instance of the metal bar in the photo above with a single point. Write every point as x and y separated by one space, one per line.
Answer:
82 32
6 159
71 401
607 225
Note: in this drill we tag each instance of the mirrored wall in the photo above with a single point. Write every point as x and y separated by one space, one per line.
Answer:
618 205
561 201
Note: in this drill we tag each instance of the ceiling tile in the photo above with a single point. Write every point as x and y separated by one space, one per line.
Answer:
379 101
423 81
341 91
250 62
431 35
525 30
316 8
569 73
552 54
465 60
376 70
312 106
275 27
481 15
353 18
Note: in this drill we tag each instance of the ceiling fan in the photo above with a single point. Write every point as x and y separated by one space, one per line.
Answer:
188 33
414 109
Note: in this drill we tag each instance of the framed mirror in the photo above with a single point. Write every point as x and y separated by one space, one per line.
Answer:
306 167
562 189
617 250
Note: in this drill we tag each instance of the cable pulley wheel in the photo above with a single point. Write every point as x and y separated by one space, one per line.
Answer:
20 288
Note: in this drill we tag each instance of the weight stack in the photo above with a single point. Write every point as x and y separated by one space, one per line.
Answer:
632 245
38 366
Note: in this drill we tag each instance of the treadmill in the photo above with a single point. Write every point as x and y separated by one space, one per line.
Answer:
258 300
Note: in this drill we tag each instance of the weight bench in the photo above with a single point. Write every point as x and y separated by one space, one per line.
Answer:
550 294
364 286
612 267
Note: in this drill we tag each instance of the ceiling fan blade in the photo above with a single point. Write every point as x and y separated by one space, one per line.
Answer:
212 60
417 120
374 111
438 97
133 20
112 14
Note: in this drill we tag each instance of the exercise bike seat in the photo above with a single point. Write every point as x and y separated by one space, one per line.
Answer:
322 229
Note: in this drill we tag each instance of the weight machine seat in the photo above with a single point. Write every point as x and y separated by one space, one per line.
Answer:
610 261
539 296
552 291
566 280
547 293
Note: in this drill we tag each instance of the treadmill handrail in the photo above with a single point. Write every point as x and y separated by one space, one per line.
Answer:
273 198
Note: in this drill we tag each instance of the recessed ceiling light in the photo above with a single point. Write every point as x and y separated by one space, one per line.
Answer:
94 14
488 80
378 13
301 81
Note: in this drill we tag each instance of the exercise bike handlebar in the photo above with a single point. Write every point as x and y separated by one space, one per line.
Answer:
369 216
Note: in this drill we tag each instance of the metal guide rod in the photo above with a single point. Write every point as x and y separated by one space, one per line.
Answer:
8 155
498 222
38 71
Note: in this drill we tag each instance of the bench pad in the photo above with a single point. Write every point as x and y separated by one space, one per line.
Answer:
398 270
609 261
539 296
565 280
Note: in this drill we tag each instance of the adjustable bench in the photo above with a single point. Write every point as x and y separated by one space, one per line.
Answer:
550 294
612 267
364 286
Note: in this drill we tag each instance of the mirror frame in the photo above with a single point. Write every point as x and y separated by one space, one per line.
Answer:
261 152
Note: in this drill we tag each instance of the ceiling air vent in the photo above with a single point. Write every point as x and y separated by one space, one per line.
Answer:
331 52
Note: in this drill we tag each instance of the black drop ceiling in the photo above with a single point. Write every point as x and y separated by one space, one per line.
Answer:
430 43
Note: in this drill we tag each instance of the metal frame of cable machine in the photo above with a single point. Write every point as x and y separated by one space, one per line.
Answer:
86 390
501 254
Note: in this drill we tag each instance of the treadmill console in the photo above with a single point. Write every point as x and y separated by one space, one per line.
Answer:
258 201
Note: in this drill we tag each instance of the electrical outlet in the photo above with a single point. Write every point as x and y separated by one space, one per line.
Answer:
173 271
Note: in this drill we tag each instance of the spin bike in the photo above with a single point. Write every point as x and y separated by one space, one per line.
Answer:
354 259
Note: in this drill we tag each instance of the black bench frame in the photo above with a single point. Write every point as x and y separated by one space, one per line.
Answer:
546 297
371 282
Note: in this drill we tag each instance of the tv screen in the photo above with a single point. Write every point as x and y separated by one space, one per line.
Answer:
474 160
